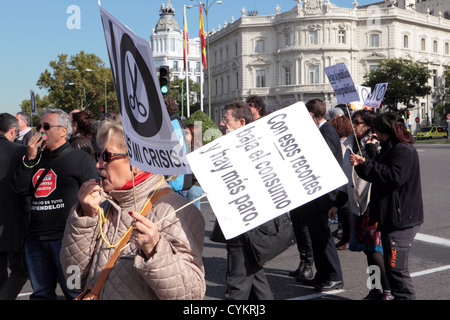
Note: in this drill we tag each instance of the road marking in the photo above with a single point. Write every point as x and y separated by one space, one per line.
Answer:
432 239
428 271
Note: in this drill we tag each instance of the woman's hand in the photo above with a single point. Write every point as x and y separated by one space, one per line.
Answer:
356 160
145 234
89 197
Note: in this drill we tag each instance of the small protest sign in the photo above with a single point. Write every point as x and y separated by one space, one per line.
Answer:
265 169
376 97
151 141
342 83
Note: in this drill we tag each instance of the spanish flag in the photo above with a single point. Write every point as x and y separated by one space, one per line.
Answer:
185 40
202 38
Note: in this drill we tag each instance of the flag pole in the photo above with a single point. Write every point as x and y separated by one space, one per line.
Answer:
186 60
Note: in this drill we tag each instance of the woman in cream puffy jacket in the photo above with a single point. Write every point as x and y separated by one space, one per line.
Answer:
163 259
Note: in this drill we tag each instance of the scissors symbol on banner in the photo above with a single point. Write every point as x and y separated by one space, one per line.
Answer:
134 102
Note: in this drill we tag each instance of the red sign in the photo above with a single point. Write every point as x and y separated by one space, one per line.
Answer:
47 186
448 116
417 119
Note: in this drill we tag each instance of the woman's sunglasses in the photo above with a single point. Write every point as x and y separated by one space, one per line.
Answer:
46 126
108 156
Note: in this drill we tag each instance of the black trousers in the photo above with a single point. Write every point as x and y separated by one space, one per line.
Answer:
11 285
245 278
326 258
396 247
304 245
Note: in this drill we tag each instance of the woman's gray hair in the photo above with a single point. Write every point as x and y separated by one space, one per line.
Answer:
63 119
109 128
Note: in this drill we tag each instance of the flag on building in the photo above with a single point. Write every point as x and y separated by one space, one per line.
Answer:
202 38
185 40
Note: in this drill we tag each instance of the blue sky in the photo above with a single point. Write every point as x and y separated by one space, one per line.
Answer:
34 32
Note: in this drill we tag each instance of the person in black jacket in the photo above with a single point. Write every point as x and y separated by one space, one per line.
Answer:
396 197
51 199
329 274
13 213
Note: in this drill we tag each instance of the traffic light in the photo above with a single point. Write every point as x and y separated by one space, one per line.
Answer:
164 79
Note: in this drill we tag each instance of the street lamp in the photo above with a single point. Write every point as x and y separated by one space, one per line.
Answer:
206 6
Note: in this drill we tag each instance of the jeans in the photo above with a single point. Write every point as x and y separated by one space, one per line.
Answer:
45 269
193 193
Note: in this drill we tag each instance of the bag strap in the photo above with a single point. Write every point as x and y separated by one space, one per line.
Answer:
110 264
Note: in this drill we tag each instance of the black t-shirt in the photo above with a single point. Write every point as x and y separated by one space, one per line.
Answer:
52 200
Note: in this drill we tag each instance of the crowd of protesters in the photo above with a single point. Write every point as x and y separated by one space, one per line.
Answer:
71 199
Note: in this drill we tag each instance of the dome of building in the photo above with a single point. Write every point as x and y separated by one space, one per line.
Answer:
167 21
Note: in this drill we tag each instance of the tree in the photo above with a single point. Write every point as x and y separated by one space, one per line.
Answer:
178 92
443 108
79 83
408 81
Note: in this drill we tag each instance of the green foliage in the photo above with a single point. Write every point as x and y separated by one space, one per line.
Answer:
79 83
210 131
407 82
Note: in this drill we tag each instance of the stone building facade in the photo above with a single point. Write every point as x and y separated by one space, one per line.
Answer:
282 57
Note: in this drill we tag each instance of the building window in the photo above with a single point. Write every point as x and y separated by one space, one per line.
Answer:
405 42
237 80
175 65
259 48
435 78
435 46
287 39
260 78
313 74
172 45
287 75
197 66
423 44
374 67
374 40
447 49
341 37
313 37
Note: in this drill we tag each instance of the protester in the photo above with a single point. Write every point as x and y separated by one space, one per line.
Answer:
82 132
396 197
257 106
194 141
13 213
164 258
245 279
25 131
329 274
365 237
182 182
51 199
343 127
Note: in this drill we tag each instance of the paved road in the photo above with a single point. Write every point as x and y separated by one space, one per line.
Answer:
429 257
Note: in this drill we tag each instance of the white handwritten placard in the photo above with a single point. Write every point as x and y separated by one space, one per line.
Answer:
342 83
266 168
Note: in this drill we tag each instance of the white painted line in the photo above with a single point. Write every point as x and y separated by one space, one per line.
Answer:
24 294
428 271
318 295
432 239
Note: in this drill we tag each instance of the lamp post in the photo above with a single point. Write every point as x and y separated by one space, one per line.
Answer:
206 6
